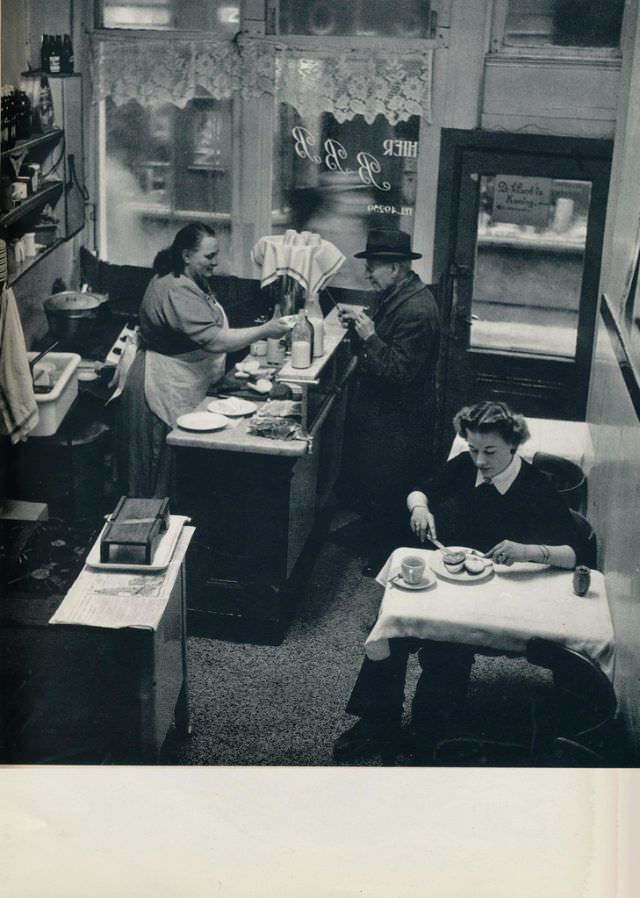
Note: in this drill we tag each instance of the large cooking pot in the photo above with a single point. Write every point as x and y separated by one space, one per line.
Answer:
72 316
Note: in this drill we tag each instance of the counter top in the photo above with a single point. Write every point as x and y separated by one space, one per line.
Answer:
235 437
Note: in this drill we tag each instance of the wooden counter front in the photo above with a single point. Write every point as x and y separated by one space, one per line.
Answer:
256 504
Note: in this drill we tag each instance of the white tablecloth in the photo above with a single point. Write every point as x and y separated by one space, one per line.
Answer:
569 439
500 613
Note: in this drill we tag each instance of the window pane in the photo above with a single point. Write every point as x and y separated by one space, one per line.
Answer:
577 23
528 277
202 15
403 18
166 167
341 179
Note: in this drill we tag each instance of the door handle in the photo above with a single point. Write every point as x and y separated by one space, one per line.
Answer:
461 272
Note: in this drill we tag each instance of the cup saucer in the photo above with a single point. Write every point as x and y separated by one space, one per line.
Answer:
399 581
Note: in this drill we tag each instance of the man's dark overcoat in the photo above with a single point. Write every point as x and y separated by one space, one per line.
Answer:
390 418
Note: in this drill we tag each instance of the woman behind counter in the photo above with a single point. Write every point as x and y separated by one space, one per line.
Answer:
184 339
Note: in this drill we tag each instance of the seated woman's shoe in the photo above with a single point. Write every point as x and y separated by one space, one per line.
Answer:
365 739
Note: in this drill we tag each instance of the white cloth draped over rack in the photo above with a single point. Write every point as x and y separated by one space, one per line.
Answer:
305 257
18 407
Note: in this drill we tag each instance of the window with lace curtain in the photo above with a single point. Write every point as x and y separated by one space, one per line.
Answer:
178 144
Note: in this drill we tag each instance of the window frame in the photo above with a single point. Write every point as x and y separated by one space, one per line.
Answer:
498 48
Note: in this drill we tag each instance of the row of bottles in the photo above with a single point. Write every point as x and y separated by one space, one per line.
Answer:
16 116
56 54
20 118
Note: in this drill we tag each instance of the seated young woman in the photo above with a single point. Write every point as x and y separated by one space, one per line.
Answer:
491 499
488 498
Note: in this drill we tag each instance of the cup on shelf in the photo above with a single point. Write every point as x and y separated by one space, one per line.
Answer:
19 192
17 247
29 241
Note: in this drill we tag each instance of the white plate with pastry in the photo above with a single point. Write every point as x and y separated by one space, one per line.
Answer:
460 564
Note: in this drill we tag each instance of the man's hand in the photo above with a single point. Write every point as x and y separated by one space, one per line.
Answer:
364 325
422 523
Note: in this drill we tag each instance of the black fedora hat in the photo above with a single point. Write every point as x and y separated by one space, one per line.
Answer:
387 243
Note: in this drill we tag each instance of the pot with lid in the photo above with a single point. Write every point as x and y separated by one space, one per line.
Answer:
72 316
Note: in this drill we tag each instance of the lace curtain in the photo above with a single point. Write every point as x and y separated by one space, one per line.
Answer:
156 70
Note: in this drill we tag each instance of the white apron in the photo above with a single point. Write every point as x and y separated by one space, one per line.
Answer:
174 385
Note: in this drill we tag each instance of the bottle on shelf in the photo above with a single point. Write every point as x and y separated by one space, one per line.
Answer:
5 116
8 116
316 319
23 115
55 55
45 49
66 59
45 106
301 342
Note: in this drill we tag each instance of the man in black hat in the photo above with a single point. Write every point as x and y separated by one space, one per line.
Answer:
389 420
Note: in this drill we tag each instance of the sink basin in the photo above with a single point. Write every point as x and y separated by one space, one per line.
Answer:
54 405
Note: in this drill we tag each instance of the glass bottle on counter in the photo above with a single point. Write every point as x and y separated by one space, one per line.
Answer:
301 342
55 53
276 346
316 319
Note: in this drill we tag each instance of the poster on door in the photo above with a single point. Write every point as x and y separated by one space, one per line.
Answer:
522 201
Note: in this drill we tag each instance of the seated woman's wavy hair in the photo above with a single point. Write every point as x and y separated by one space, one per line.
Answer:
491 417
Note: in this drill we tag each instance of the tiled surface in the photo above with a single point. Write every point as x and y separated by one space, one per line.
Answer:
614 511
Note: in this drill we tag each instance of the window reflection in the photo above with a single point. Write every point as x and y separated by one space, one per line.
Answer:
340 179
576 23
208 15
165 166
528 277
363 18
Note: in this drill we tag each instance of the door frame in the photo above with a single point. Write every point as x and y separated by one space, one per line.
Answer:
453 146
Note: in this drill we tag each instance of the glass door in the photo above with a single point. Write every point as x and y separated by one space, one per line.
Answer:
520 267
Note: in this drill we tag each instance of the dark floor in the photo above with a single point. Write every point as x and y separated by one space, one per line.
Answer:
284 705
251 704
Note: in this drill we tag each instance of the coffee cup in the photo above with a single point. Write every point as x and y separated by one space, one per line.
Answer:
259 348
412 569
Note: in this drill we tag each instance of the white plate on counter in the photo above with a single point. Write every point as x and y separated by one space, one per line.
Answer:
202 421
232 407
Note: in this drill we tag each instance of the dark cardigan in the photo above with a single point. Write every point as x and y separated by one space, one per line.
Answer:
531 511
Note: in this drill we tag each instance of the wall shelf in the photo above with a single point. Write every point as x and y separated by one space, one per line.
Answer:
17 270
38 140
48 193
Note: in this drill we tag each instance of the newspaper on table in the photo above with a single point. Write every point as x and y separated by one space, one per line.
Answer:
117 599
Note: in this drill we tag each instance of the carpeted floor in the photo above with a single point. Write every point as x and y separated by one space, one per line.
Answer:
284 705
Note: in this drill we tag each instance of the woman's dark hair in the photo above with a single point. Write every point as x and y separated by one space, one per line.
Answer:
170 260
491 417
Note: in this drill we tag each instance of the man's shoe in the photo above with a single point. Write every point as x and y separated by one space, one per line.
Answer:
364 740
